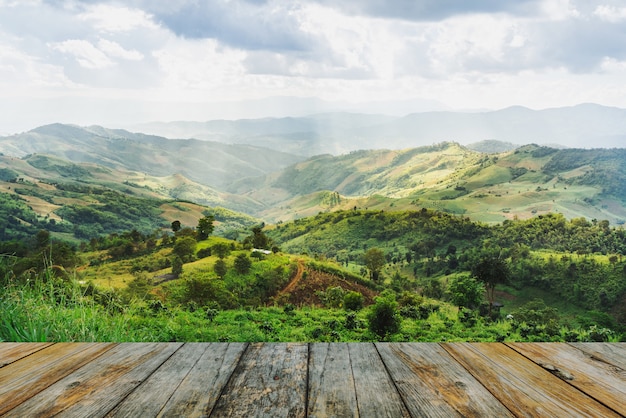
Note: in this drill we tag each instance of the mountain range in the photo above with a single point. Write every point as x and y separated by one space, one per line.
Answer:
582 126
275 178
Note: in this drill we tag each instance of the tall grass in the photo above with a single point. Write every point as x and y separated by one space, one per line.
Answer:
42 307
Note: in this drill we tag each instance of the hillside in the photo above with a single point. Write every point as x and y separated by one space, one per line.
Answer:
528 181
492 187
84 201
211 163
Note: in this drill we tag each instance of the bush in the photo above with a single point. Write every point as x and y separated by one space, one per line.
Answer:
384 319
466 292
353 301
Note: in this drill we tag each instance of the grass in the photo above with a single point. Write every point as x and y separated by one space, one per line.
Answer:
47 309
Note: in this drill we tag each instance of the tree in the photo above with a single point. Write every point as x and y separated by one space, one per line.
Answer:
374 261
491 270
176 226
205 227
242 263
177 266
42 239
466 291
220 268
221 250
258 239
185 248
384 318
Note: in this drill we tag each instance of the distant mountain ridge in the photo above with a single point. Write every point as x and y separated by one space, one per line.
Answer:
211 163
582 126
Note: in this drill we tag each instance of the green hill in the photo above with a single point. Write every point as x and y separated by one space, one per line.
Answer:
522 183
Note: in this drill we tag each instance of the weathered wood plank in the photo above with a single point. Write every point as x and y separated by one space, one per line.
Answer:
270 380
602 381
150 397
331 385
375 391
27 377
96 388
433 384
10 352
525 388
198 393
611 353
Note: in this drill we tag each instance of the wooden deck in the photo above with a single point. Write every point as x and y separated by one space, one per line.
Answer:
314 380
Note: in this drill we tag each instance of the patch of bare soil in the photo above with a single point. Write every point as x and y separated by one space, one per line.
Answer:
301 290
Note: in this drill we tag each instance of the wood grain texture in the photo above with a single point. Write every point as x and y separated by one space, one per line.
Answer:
331 384
433 384
375 391
318 379
198 393
23 379
611 353
525 388
269 381
10 352
602 381
96 388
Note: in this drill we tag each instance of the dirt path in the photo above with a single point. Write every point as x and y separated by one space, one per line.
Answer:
296 279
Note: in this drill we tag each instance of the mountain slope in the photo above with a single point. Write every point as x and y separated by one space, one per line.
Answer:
211 163
528 181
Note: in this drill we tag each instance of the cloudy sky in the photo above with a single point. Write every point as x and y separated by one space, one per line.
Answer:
116 62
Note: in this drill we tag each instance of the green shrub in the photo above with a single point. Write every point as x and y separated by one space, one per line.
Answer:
353 301
383 318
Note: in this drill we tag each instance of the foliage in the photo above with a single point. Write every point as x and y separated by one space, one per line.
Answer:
384 318
374 260
220 268
242 263
491 270
185 248
353 301
205 227
465 291
221 249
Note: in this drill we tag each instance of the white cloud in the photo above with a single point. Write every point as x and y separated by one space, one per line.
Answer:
87 55
560 9
610 14
108 18
22 72
113 49
199 64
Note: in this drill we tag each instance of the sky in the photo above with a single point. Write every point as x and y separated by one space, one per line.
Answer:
121 62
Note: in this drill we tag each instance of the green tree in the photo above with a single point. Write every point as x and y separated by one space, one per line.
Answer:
185 248
384 318
42 239
258 239
221 250
374 261
491 270
176 226
205 227
242 263
177 266
220 268
466 291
